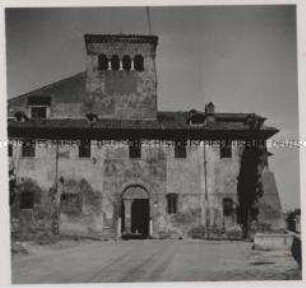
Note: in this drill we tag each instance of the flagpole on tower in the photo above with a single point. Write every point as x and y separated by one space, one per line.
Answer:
148 18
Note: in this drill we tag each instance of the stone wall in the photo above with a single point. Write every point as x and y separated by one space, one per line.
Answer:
222 179
101 180
121 94
109 171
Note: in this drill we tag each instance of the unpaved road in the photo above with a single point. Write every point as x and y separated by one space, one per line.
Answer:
153 260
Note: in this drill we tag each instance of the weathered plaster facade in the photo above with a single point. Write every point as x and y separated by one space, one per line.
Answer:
121 94
108 193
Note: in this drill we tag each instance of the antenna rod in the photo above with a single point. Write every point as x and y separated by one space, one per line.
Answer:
148 16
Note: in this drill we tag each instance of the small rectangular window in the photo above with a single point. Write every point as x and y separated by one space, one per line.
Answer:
226 149
228 207
27 200
39 112
180 150
84 149
135 149
10 150
172 203
28 148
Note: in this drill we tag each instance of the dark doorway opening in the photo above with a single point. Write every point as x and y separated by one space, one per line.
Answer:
135 213
140 217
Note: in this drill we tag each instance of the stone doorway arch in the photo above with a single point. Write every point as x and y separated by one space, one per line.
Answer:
135 212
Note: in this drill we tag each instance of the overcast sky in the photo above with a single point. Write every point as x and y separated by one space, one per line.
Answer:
241 58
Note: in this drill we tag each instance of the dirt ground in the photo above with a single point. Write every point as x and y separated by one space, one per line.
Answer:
152 260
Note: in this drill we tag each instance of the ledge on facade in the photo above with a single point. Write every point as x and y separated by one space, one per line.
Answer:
123 38
167 125
165 120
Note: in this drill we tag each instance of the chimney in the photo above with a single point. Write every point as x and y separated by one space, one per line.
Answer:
210 109
210 112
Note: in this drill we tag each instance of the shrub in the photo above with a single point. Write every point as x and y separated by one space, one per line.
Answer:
45 238
198 232
234 233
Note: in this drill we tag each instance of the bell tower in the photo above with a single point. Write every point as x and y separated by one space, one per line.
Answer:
121 76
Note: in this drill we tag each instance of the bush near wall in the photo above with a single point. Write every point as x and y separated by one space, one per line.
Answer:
26 222
200 232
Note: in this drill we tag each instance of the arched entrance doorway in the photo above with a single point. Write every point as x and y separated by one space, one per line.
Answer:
135 212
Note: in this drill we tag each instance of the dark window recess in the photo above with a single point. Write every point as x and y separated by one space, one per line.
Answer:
10 150
135 149
28 148
39 112
172 203
102 62
138 63
71 202
180 150
228 207
20 116
27 200
126 63
197 119
84 149
39 101
115 62
226 149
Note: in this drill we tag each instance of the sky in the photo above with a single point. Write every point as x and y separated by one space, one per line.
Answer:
243 59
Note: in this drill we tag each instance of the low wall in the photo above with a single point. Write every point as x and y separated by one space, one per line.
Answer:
273 241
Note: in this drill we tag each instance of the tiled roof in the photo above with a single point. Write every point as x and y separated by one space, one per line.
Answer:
165 121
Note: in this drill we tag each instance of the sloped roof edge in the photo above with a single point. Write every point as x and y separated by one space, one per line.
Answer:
80 75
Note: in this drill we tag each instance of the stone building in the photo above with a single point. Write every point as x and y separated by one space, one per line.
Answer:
94 153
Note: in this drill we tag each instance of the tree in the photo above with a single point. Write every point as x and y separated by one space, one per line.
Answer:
12 186
249 188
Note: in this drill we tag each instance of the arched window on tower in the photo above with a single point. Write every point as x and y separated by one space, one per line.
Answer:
138 63
126 63
102 62
115 62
